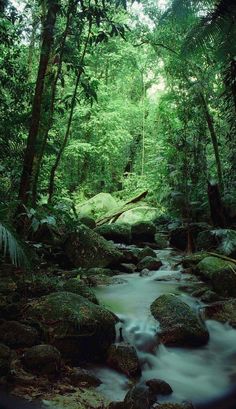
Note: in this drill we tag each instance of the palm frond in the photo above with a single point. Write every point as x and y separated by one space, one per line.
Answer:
227 240
12 246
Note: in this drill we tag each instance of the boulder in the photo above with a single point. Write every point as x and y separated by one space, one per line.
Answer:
42 359
224 311
143 232
191 260
76 286
97 205
127 268
139 397
159 387
116 405
83 376
145 252
36 285
130 255
17 335
180 325
87 221
80 329
149 263
170 405
220 273
138 214
124 358
87 249
5 360
117 232
179 235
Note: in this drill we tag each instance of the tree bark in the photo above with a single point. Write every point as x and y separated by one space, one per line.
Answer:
48 37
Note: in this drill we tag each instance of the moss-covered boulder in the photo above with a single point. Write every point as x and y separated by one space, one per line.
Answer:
87 249
143 232
17 335
124 358
149 263
97 206
36 285
138 214
159 387
180 325
224 311
5 360
139 397
191 260
117 232
81 376
76 286
220 273
80 329
146 252
42 359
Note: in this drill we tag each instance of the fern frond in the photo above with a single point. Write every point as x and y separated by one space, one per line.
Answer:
12 246
227 240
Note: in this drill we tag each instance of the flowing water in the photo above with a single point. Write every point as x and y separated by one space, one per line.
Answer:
194 373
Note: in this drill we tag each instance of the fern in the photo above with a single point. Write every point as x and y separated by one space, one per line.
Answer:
227 239
12 246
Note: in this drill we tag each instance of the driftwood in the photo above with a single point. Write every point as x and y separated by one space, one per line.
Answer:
112 217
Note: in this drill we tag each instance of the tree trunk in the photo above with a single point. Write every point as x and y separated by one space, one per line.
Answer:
216 206
48 36
67 134
49 119
214 140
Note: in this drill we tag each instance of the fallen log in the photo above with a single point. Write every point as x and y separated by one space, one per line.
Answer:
112 217
222 256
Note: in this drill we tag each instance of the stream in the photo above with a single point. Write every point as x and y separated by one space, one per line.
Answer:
195 374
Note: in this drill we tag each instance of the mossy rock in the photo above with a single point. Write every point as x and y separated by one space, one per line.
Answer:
145 252
42 359
36 285
5 360
17 335
149 263
87 221
88 249
80 329
192 260
119 233
220 273
139 397
97 206
124 358
75 286
180 325
143 232
224 311
138 214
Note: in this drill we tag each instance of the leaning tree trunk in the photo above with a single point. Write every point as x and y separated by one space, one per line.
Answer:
67 134
47 41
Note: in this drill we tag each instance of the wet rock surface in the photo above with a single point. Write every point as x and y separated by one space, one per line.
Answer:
159 387
80 329
124 358
224 311
180 325
139 397
17 335
149 263
117 232
5 360
83 376
42 359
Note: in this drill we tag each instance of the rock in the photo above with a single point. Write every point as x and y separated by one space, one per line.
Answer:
117 405
161 241
87 221
220 273
80 329
36 285
184 405
138 214
83 376
145 273
7 285
42 359
180 325
127 268
192 260
139 397
143 232
17 335
209 296
149 263
179 235
5 360
159 387
224 311
130 255
97 206
76 286
87 249
124 358
117 232
146 252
